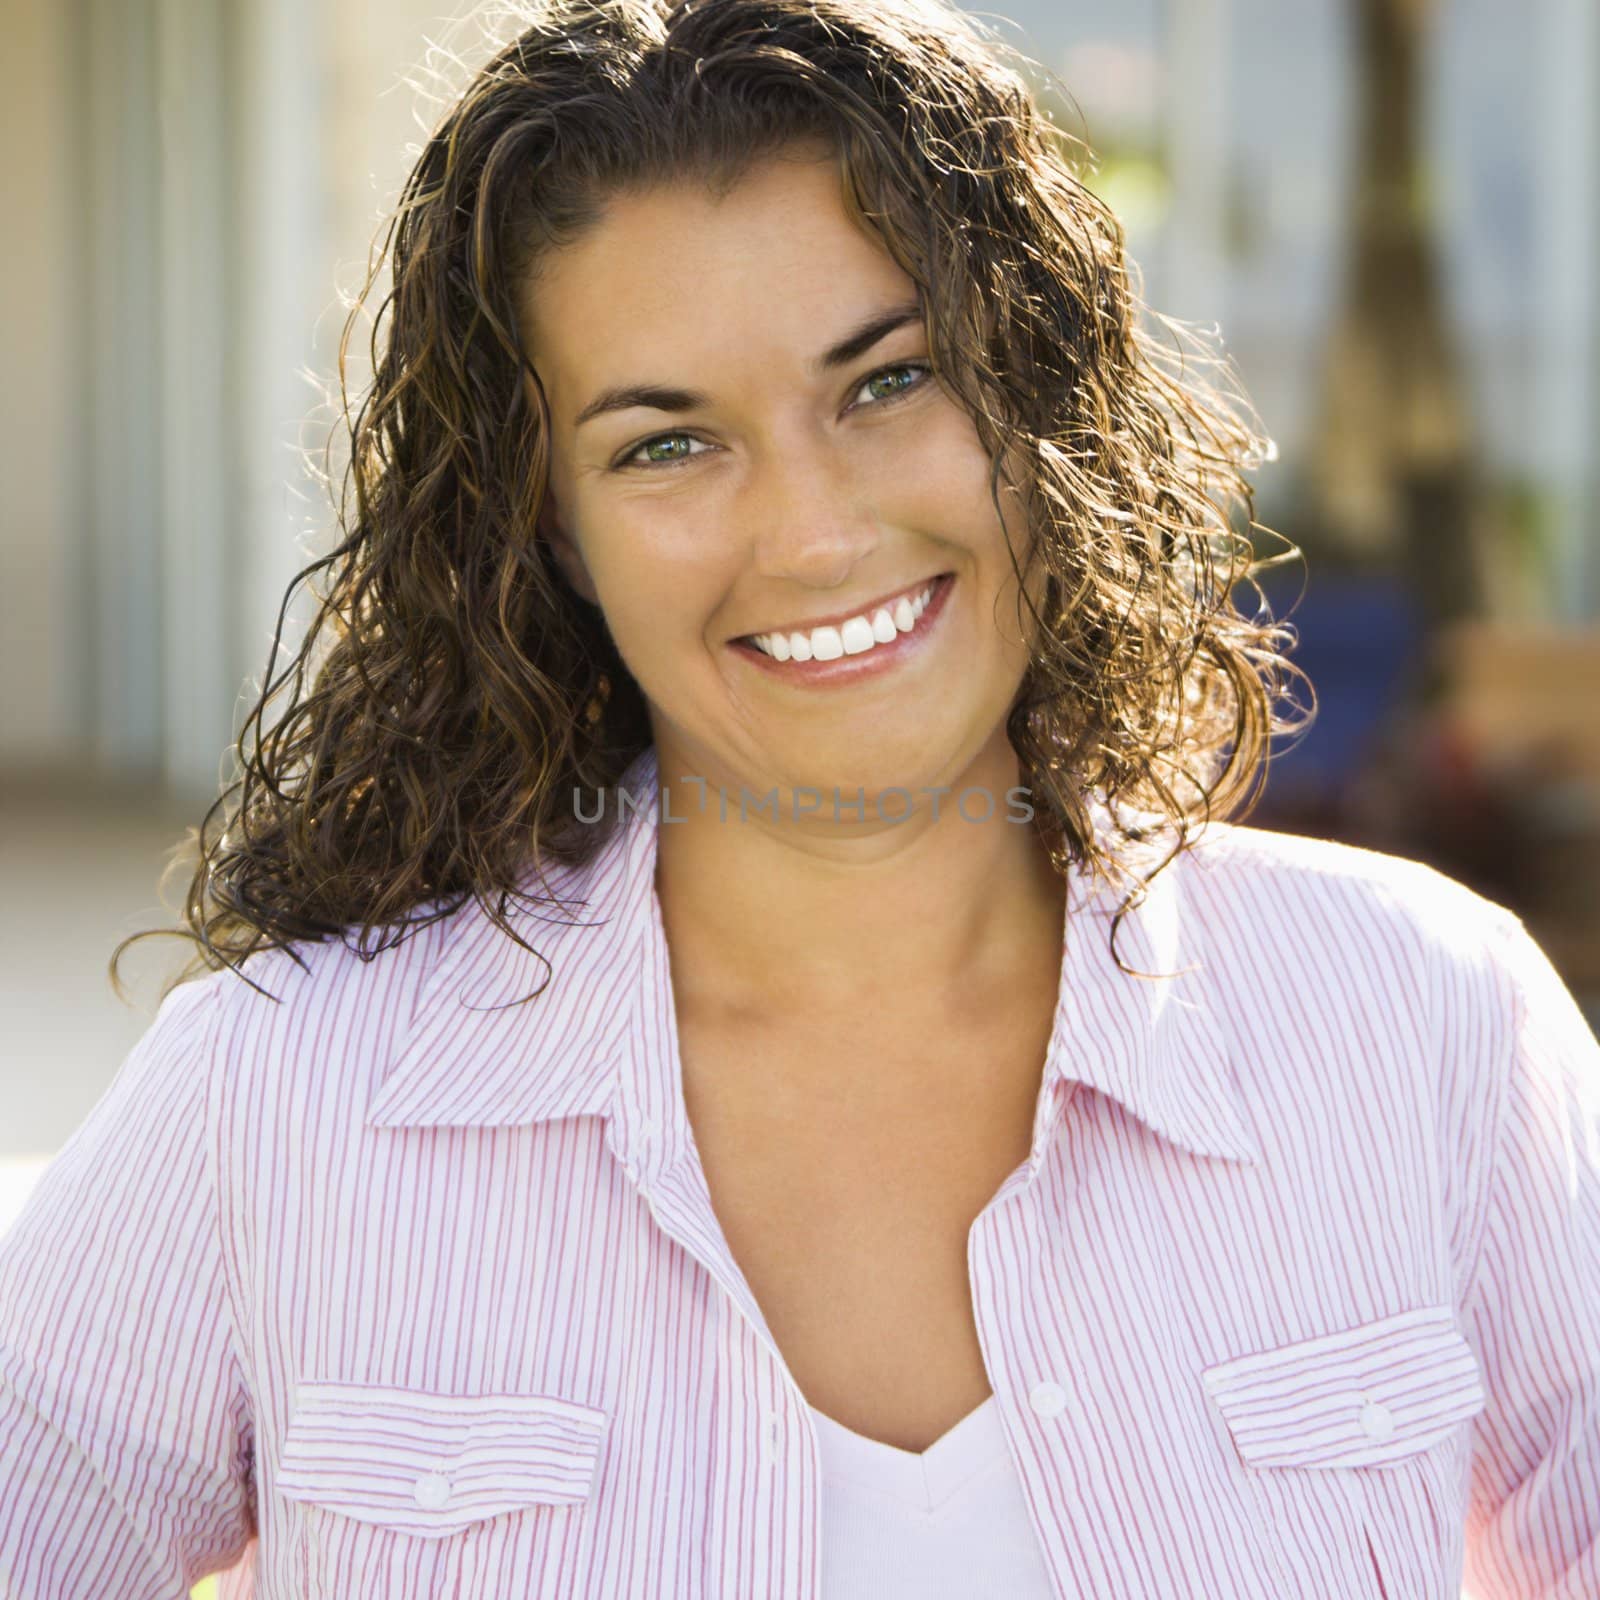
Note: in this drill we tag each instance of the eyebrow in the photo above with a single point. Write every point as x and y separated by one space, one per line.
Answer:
661 398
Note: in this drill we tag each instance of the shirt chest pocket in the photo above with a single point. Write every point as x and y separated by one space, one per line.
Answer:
408 1493
1359 1437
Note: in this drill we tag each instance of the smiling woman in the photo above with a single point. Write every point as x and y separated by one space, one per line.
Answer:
787 1198
801 499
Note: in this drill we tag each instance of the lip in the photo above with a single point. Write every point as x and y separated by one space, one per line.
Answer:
848 669
889 600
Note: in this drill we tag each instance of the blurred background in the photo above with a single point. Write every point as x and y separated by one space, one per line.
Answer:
1391 207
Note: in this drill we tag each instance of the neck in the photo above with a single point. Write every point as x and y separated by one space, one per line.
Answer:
936 914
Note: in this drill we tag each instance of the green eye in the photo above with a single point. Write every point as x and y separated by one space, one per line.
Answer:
658 451
673 449
652 448
895 372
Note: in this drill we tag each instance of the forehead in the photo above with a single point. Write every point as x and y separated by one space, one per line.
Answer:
768 270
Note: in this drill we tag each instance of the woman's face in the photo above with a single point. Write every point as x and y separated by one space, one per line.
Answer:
717 473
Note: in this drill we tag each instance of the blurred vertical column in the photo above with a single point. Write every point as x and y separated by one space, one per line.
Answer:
120 617
44 685
198 307
1198 117
1566 443
278 52
204 224
237 155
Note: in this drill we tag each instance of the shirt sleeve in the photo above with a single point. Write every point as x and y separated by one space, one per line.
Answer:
126 1436
1533 1305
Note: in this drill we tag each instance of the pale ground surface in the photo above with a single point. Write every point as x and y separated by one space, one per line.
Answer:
79 869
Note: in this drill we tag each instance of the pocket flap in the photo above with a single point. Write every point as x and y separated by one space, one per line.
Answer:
1361 1397
432 1464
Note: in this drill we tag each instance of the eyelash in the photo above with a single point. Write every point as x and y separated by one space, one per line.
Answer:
627 462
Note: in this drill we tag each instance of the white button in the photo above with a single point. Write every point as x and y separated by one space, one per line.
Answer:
1376 1420
771 1422
433 1491
651 1127
1048 1399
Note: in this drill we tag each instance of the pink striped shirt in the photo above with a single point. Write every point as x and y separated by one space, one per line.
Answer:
379 1291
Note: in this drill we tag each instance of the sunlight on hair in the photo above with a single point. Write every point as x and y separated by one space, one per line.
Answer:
423 739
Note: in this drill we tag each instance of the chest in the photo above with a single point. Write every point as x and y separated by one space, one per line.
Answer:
522 1313
846 1172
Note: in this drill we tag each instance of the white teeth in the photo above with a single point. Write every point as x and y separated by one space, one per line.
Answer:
857 635
850 638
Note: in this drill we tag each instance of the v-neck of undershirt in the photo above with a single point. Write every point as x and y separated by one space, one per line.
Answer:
921 1481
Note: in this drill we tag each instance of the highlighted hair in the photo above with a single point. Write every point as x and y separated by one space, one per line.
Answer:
434 733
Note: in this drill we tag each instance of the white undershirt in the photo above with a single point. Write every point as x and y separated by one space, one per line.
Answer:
948 1524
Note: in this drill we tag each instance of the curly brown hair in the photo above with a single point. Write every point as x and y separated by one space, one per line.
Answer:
441 743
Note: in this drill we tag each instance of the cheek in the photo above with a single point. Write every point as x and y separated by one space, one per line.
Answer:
946 473
660 580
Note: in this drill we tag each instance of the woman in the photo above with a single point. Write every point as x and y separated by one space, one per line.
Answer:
891 1145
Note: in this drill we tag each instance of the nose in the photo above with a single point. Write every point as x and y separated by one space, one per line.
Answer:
813 519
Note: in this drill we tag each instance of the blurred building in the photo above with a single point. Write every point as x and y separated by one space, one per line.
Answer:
204 181
206 178
198 181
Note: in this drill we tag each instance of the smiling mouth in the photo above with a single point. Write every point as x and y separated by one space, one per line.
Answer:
858 650
858 630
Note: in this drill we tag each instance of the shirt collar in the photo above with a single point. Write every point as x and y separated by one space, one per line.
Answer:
472 1057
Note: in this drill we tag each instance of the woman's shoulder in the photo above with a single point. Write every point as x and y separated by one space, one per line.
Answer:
1381 982
1304 872
333 1014
309 975
1344 914
314 1013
